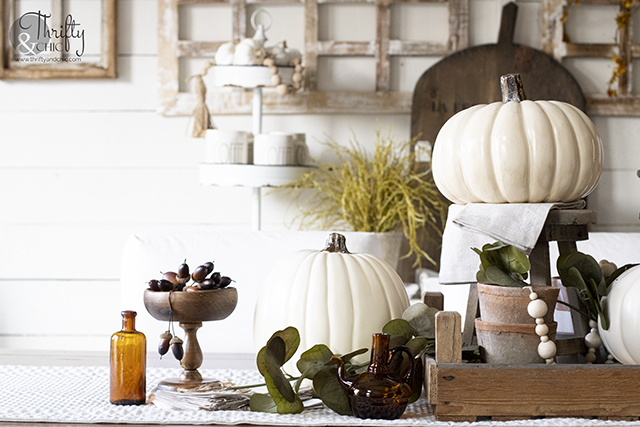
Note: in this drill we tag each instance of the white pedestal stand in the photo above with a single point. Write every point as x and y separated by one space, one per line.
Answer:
254 176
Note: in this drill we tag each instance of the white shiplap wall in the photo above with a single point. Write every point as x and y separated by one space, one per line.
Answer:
84 164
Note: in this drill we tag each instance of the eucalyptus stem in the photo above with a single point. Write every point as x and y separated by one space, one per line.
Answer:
572 307
241 387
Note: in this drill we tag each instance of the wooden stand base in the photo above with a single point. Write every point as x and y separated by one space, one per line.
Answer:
177 384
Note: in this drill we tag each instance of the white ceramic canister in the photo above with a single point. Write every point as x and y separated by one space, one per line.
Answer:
228 146
275 148
302 151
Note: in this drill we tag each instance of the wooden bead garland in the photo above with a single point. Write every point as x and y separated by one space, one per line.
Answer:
276 80
537 308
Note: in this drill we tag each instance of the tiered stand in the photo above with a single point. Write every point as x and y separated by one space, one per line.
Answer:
473 391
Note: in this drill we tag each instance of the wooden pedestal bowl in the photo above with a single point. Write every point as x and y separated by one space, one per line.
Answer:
190 309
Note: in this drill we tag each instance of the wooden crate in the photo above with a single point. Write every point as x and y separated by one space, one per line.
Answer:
469 391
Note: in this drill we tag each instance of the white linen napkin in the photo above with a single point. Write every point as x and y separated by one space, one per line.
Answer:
476 224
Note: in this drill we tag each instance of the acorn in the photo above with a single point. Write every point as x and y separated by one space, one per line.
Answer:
154 285
183 275
200 273
166 285
225 281
171 276
165 342
176 348
209 266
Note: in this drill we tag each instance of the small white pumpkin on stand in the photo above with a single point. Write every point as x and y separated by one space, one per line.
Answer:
225 54
249 51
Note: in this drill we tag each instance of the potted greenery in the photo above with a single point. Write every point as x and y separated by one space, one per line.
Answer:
376 192
505 329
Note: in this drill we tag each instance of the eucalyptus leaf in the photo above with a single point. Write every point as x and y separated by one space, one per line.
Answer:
481 276
314 359
499 277
291 338
514 259
262 403
586 265
417 345
330 391
346 358
274 359
399 327
416 380
422 319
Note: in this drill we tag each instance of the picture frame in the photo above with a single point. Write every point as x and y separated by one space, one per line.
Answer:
50 56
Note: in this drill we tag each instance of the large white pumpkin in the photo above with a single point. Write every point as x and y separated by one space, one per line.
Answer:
331 296
622 306
517 151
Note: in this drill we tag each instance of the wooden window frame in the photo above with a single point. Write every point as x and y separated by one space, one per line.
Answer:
105 68
308 100
553 43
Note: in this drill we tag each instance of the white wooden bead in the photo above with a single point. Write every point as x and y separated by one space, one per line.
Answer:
547 349
542 330
273 69
591 357
537 308
592 340
544 338
298 68
540 321
592 350
610 357
282 89
550 361
533 296
275 80
269 62
297 77
593 324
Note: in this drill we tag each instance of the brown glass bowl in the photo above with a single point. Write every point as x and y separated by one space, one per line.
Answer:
188 307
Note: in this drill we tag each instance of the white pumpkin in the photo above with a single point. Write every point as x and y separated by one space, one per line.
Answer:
249 52
331 296
283 55
622 306
517 151
225 54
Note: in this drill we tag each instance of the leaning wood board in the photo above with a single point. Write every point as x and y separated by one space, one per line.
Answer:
472 76
466 391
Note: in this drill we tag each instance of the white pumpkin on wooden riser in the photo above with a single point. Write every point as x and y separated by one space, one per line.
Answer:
331 296
517 151
622 306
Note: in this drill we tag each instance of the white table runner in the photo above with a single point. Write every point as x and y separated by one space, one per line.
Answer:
66 394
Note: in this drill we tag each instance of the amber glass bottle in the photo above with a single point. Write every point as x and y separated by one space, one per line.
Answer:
128 363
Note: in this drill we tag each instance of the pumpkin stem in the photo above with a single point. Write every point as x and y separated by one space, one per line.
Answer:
336 242
512 88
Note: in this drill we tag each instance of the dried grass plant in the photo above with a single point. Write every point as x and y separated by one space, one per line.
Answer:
378 192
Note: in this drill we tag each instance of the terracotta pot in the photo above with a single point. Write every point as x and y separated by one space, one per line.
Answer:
507 305
511 344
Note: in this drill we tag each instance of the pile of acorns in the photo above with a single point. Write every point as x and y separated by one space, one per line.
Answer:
204 279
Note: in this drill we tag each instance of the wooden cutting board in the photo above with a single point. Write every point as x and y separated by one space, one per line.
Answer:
472 76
